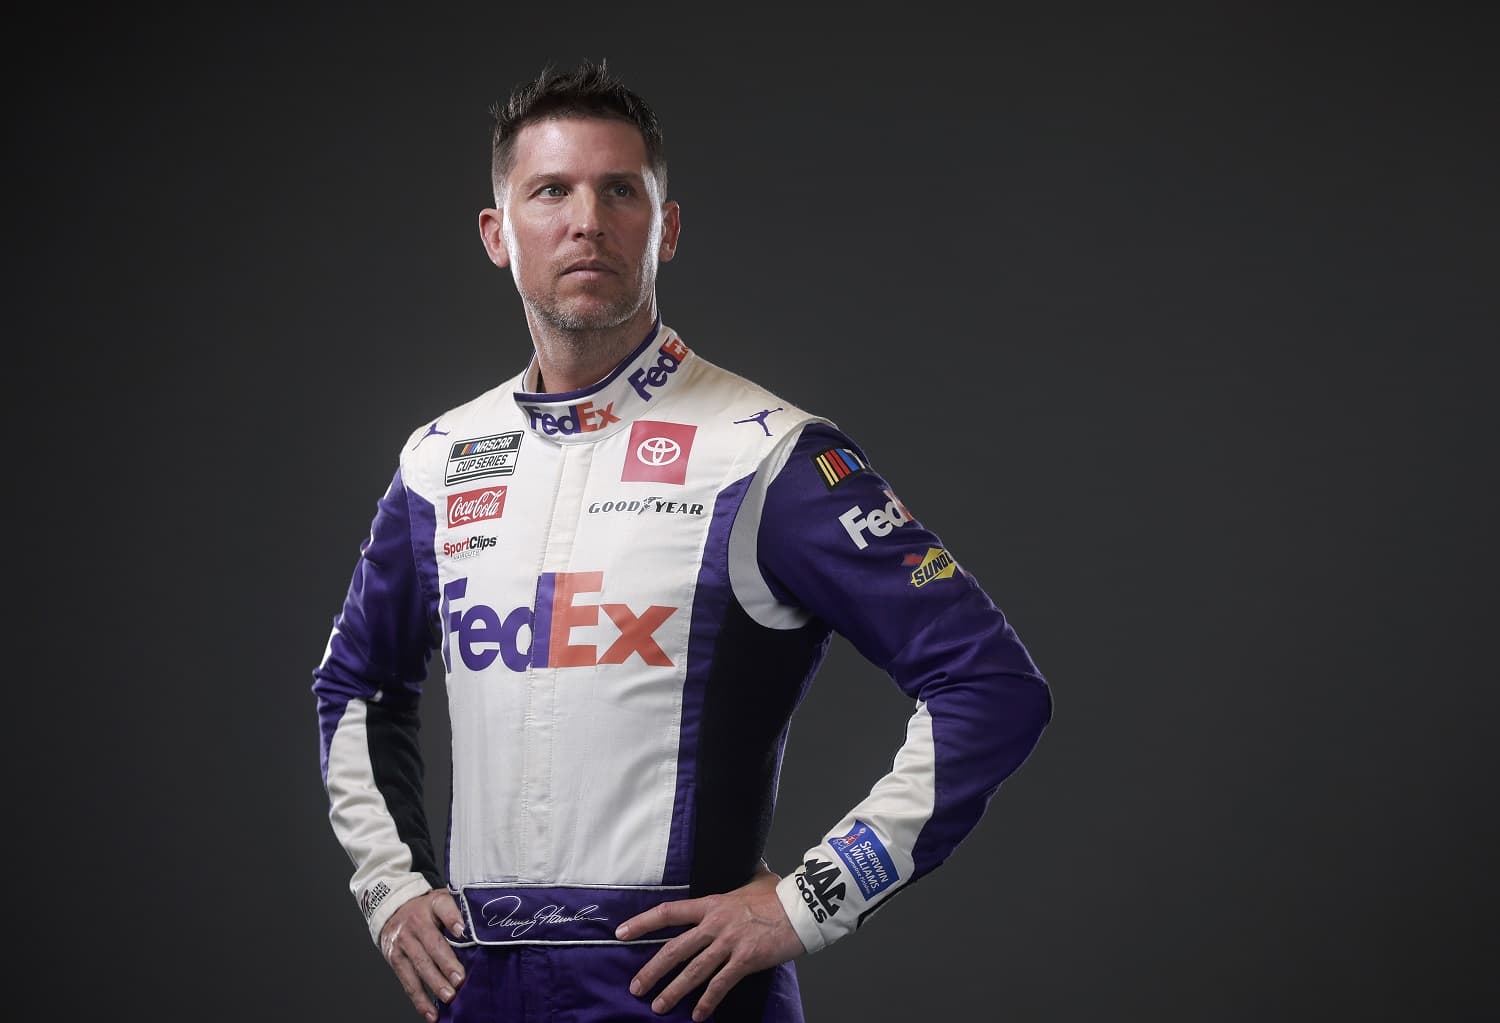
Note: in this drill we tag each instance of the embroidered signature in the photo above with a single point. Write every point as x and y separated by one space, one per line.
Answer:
505 912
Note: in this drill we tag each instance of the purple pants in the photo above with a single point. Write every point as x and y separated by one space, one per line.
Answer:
590 984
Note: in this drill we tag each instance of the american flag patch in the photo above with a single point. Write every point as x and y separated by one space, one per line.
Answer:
837 465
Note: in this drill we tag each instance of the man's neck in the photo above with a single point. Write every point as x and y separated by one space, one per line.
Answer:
570 360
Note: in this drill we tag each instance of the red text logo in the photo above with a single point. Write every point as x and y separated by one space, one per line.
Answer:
475 506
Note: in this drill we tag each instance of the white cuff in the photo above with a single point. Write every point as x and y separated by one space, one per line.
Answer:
393 899
798 913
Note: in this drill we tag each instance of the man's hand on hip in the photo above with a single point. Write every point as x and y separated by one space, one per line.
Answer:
736 934
412 942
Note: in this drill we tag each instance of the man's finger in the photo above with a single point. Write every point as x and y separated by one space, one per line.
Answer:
445 962
445 908
445 911
412 985
427 969
693 976
684 946
731 974
666 914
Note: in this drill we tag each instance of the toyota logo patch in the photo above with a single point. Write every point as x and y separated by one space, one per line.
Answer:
658 452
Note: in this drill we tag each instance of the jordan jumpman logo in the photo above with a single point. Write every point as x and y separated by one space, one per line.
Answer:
760 418
432 431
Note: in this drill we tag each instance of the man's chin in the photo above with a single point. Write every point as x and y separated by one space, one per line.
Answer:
584 315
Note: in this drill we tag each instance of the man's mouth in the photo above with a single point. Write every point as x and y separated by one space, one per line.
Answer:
590 267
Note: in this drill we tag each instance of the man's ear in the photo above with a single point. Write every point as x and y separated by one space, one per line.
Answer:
671 227
492 233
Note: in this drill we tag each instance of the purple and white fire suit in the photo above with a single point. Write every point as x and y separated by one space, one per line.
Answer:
630 587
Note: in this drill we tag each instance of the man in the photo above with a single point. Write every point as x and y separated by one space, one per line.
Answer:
630 561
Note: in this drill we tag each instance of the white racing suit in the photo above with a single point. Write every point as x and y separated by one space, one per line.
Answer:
630 587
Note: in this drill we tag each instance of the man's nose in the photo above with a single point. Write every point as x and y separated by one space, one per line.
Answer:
587 215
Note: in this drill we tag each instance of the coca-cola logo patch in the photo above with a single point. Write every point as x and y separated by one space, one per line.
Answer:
475 506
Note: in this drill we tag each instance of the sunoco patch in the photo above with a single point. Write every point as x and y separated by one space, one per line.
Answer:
937 564
867 859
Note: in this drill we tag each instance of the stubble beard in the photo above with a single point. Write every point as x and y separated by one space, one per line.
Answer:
581 317
577 326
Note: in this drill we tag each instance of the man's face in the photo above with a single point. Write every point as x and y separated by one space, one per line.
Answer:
581 225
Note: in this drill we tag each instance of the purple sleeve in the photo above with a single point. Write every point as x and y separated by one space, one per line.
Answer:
368 687
383 637
837 540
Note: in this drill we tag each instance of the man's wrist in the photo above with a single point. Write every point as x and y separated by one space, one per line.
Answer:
380 914
799 913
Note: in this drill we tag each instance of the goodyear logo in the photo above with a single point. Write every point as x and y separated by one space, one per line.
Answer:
938 564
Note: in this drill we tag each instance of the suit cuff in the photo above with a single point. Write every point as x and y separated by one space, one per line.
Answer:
799 913
379 906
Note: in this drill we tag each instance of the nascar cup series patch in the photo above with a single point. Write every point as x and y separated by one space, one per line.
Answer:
867 859
477 457
836 465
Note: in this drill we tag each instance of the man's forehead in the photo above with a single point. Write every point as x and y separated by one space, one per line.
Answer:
578 143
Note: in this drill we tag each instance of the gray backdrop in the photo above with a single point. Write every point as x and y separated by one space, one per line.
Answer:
1175 329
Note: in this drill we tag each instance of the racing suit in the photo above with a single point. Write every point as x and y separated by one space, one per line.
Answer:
630 587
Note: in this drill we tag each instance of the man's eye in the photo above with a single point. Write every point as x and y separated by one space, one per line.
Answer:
552 191
621 189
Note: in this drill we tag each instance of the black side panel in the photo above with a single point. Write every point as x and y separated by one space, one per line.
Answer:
747 708
396 756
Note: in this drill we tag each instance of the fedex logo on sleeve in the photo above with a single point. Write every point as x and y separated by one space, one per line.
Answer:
482 635
879 522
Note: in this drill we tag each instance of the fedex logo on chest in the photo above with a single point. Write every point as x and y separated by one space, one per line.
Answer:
482 635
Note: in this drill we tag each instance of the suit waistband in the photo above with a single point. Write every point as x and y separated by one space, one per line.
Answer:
560 914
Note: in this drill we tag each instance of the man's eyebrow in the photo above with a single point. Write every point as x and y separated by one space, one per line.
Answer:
612 175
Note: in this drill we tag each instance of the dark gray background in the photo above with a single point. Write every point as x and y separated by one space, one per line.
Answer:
1175 328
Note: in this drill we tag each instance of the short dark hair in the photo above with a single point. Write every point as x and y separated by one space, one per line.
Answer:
587 91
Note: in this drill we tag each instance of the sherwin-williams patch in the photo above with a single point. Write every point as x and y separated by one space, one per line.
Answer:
867 859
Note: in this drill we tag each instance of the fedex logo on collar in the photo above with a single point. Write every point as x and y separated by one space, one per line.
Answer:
580 418
482 635
670 356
